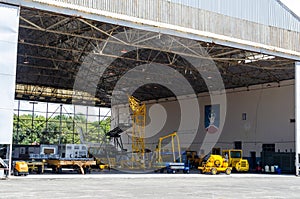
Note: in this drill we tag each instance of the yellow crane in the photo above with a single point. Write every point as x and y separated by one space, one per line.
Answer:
138 130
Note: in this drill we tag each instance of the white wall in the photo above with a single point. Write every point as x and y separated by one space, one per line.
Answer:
268 119
9 26
268 110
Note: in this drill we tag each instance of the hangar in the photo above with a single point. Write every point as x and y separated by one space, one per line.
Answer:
227 65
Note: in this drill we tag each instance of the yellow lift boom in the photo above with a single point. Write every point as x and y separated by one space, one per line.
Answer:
138 130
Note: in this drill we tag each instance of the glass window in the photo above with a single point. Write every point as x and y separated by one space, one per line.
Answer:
235 154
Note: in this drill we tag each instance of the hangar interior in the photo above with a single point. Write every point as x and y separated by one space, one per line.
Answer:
70 59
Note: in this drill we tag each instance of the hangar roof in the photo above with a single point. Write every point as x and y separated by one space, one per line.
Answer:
54 47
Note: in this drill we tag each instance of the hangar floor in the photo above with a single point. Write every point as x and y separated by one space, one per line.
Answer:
152 186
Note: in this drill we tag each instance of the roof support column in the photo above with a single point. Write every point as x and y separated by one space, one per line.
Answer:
9 28
297 116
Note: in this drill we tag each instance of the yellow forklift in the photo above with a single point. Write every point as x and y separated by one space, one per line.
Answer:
20 168
235 160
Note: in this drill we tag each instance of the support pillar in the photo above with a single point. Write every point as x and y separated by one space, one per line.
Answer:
297 116
9 28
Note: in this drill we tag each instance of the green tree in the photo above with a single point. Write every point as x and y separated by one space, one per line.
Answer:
58 129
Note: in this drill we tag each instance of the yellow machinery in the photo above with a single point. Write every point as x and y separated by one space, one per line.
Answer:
20 168
36 166
175 164
138 131
193 158
235 160
105 163
172 136
215 164
82 165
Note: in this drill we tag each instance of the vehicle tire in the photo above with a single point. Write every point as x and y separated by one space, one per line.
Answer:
213 171
59 170
187 171
53 169
228 171
16 173
173 171
87 170
237 167
40 170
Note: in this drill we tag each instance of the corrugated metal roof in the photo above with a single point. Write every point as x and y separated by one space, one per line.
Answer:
266 12
258 24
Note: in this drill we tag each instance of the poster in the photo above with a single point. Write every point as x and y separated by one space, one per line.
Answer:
212 118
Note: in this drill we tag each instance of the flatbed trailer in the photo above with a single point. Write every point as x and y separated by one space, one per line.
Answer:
36 166
83 164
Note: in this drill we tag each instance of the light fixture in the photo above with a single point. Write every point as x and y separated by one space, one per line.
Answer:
209 77
258 57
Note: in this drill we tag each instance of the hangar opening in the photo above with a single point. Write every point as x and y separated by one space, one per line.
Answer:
214 95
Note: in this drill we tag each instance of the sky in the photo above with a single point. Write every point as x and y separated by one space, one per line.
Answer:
26 107
294 5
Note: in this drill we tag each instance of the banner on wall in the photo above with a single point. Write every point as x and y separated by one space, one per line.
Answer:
212 118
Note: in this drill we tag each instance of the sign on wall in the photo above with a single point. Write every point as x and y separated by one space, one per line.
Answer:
212 118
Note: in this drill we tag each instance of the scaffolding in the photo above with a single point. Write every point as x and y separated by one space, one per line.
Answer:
138 132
